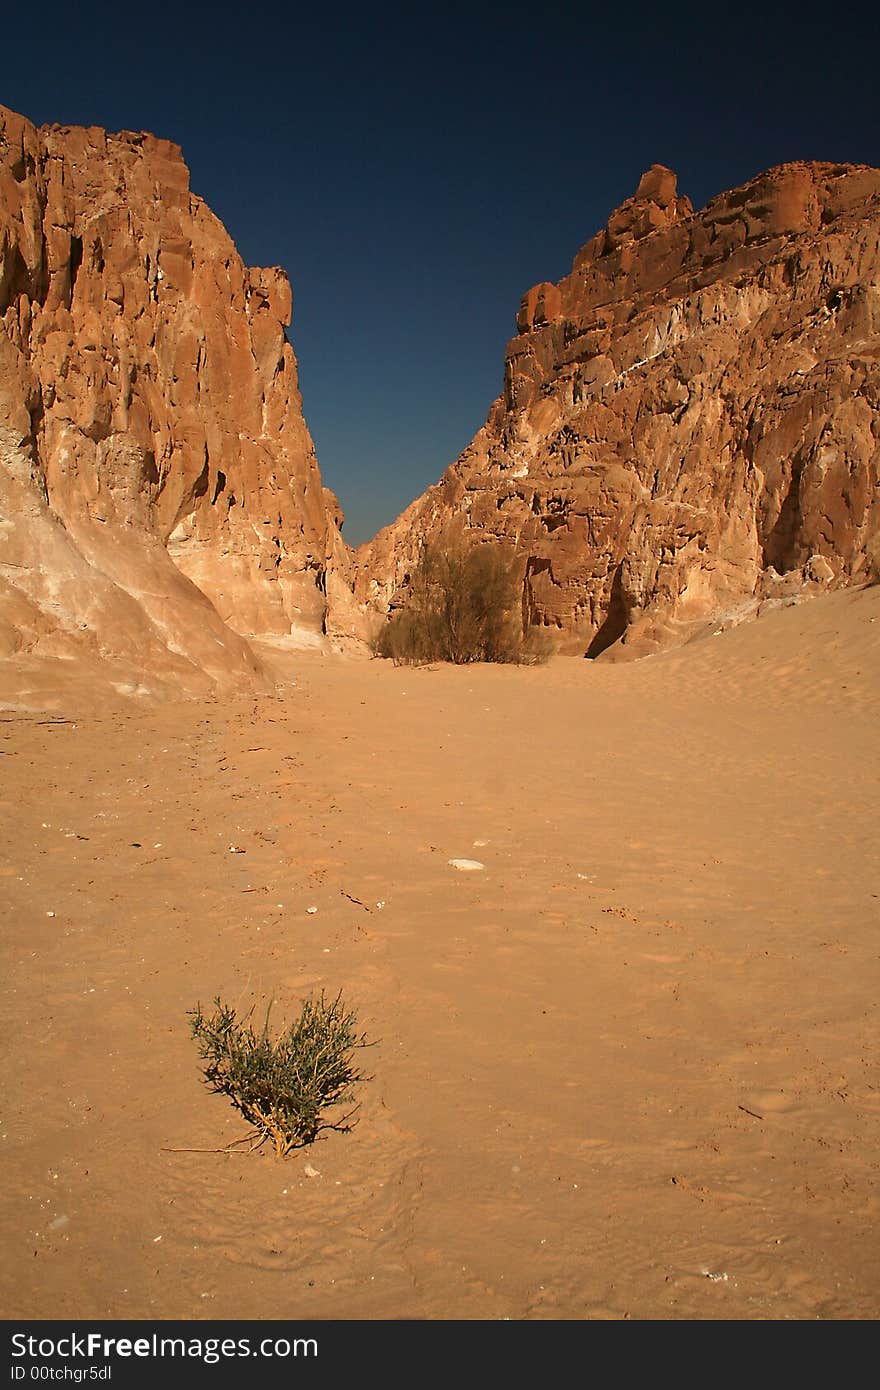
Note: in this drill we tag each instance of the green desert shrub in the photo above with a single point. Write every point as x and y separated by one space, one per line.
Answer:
463 603
284 1086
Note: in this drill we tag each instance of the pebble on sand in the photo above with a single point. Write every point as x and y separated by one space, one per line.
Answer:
466 865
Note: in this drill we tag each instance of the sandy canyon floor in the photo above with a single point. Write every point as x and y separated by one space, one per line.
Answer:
628 1069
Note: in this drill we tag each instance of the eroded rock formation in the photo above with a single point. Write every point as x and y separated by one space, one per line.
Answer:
690 421
158 485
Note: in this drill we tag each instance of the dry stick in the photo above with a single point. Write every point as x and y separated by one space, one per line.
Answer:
230 1148
165 1149
754 1114
355 900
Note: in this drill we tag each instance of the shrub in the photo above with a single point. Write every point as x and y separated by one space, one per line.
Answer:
283 1086
463 604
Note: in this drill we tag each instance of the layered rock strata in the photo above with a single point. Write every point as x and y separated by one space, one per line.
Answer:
690 420
158 486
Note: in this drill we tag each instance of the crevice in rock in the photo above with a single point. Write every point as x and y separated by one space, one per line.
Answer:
15 278
780 549
97 256
535 564
616 619
200 486
76 256
149 469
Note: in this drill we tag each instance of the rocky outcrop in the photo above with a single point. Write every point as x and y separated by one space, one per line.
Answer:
690 421
158 485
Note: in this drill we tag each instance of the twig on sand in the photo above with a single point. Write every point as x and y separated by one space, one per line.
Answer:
356 901
754 1114
230 1148
233 1152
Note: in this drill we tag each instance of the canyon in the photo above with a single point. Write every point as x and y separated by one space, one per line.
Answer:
689 427
624 1067
688 430
159 491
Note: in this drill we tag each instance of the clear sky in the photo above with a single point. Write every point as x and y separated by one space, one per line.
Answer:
415 168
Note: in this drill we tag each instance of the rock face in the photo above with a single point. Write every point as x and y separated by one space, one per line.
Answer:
690 421
158 485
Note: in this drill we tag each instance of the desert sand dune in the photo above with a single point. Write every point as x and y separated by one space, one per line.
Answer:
627 1069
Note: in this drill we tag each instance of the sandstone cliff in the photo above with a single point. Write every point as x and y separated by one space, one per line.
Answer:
158 485
690 421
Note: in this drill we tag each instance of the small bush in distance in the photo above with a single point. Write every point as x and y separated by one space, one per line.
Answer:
464 604
284 1086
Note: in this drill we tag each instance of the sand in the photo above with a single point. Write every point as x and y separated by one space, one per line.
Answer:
626 1069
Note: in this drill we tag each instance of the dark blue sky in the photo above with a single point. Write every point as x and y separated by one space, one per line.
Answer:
415 169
